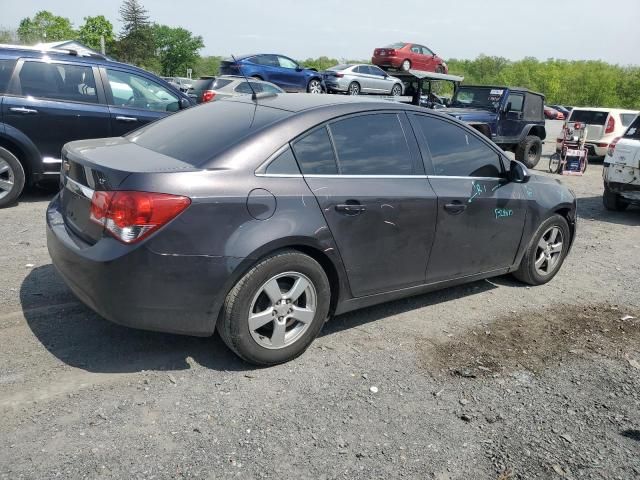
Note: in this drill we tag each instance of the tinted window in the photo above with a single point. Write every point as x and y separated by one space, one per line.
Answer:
73 83
130 90
197 135
589 117
416 49
220 83
376 71
268 60
533 107
372 145
269 88
245 88
360 69
627 118
457 152
202 84
315 153
517 102
6 69
634 130
284 164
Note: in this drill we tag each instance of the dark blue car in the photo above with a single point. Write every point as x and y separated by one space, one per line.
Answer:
278 69
49 98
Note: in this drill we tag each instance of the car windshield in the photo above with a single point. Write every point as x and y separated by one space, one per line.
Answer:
478 97
396 45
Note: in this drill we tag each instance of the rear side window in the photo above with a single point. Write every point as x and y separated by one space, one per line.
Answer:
57 81
372 145
284 164
627 118
589 117
533 107
6 69
634 130
314 153
457 152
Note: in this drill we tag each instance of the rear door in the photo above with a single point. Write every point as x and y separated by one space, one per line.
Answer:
365 174
417 59
480 214
53 103
135 100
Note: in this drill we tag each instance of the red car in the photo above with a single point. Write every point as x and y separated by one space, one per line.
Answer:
407 56
552 113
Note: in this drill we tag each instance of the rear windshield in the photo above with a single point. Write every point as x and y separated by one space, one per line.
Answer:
396 45
634 130
589 117
627 118
210 83
339 67
198 134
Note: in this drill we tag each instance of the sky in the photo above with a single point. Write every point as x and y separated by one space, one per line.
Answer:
351 29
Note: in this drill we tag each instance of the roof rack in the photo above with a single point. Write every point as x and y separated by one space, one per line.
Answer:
61 51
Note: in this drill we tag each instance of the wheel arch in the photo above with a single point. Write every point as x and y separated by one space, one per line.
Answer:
568 214
536 130
24 150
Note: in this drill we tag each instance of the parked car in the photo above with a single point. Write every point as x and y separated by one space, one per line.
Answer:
552 114
621 172
207 89
355 79
278 69
603 126
181 83
50 98
297 208
512 117
406 56
564 110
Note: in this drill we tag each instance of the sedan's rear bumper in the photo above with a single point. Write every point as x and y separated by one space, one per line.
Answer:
137 287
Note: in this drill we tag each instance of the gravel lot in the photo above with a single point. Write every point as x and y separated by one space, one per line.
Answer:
488 380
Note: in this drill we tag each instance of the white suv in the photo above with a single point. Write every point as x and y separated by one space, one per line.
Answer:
603 125
621 172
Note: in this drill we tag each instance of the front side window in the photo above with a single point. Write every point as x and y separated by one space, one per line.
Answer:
130 90
372 145
517 102
314 153
426 51
6 69
456 151
287 63
58 81
376 71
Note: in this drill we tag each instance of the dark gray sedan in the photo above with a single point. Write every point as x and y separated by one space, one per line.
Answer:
262 219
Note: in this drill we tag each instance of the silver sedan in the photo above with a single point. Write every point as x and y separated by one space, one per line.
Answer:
355 79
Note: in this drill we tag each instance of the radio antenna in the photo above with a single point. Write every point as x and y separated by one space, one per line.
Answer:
254 96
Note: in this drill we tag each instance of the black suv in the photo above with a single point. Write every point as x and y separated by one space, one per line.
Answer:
511 117
48 98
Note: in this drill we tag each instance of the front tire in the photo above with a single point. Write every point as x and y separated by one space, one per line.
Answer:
613 201
276 309
314 86
439 69
529 151
12 178
546 252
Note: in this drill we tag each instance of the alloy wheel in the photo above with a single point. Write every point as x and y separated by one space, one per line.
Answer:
315 86
549 251
396 91
354 89
406 65
282 310
7 178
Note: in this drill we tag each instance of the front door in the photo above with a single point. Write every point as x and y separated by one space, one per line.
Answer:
287 73
54 103
375 198
480 214
135 100
511 124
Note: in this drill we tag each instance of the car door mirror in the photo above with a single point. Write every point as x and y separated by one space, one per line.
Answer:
184 103
518 173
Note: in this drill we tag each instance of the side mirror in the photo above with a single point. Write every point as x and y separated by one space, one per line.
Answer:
299 68
184 103
518 173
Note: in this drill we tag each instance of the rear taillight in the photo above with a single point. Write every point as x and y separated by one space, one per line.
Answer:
132 216
611 125
338 75
208 95
612 146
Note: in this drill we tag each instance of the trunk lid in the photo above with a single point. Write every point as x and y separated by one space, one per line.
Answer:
103 164
596 121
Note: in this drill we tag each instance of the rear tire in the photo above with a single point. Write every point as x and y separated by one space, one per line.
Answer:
530 270
613 201
248 299
529 151
12 178
354 89
406 65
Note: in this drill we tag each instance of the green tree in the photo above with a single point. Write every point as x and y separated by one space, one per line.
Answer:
176 48
94 28
8 35
45 27
136 38
206 66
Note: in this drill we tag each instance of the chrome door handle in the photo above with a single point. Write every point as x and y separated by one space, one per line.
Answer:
120 118
350 208
23 110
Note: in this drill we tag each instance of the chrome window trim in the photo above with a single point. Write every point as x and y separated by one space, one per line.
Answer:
279 175
314 175
78 188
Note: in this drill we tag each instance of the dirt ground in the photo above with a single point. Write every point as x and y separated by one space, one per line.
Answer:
491 380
